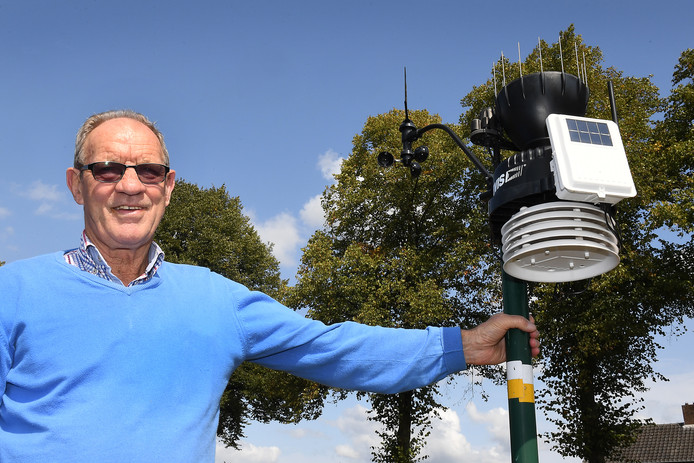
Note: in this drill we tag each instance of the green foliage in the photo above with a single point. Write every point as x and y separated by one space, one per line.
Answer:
673 161
403 413
598 335
260 394
206 227
394 245
401 252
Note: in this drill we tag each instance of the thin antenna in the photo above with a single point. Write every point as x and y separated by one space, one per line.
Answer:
585 69
561 55
503 73
406 113
539 47
503 70
613 105
578 65
542 70
520 63
494 73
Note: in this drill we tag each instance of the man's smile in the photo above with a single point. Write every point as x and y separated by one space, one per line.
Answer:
129 208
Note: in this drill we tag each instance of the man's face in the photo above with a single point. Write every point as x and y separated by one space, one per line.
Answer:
123 215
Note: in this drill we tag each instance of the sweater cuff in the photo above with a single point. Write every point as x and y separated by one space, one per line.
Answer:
453 355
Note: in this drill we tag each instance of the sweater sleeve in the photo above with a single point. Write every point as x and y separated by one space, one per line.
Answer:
5 361
7 311
346 355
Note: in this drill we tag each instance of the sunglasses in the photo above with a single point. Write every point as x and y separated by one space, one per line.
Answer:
112 172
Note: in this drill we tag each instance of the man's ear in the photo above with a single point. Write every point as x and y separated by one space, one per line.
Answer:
169 185
73 179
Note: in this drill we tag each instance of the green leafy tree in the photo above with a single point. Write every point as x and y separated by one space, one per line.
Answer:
599 348
673 162
206 227
400 252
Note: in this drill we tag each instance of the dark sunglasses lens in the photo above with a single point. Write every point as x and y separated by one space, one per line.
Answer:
151 173
108 172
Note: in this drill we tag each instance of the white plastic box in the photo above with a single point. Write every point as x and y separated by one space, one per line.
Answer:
588 160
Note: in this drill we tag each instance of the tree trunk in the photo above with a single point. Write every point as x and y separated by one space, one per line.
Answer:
404 426
591 418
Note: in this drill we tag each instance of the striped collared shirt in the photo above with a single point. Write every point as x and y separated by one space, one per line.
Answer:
88 258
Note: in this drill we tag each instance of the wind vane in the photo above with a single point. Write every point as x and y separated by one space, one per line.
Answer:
412 158
407 117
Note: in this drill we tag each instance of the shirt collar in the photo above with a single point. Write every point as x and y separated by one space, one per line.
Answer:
91 252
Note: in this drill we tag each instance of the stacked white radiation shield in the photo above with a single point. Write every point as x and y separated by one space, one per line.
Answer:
559 241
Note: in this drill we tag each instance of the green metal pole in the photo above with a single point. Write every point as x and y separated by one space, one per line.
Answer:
519 373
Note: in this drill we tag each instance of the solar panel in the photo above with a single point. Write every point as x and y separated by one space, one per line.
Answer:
591 132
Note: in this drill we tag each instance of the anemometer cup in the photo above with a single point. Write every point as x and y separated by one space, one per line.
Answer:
385 159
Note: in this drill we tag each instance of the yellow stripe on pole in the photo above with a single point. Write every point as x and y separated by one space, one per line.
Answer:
519 377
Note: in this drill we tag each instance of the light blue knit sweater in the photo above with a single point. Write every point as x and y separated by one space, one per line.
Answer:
92 371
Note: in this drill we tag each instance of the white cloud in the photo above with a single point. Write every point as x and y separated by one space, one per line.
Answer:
282 231
49 197
464 434
287 233
354 424
312 213
6 232
4 212
664 400
45 209
496 421
298 433
329 164
49 209
448 444
445 444
446 441
347 452
249 453
39 191
5 238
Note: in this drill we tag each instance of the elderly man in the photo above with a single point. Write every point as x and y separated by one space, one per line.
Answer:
109 353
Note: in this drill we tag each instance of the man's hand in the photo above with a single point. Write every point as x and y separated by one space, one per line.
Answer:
485 343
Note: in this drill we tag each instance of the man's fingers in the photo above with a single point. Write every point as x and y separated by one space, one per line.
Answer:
520 322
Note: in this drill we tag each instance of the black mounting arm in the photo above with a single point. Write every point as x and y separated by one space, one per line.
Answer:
411 133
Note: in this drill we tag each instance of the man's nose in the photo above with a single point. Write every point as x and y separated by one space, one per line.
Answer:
130 183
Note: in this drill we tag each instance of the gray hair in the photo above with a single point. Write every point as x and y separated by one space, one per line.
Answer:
97 119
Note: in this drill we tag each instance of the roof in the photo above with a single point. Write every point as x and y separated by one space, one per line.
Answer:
661 443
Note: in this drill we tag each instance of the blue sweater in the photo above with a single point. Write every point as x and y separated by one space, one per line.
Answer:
94 371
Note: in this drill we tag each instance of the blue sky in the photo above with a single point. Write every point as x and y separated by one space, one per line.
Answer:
265 97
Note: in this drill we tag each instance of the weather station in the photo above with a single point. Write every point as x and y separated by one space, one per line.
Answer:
551 203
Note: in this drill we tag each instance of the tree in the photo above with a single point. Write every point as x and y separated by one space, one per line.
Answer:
673 200
206 227
400 252
599 346
670 199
